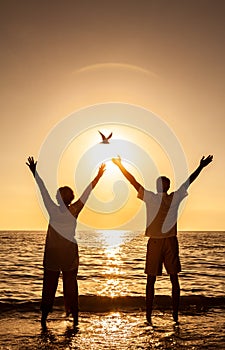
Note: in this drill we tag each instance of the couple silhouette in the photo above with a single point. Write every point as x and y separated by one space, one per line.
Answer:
61 249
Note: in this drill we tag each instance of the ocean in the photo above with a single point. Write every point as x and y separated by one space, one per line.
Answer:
111 284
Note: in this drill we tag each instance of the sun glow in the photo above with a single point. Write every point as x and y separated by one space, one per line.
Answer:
109 66
113 202
111 170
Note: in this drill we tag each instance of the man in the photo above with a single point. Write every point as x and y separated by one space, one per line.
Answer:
162 248
61 250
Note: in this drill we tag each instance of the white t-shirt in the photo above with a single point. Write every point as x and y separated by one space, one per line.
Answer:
161 211
61 247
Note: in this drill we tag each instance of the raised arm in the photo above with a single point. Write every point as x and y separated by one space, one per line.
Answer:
78 205
126 173
98 176
203 163
48 202
32 165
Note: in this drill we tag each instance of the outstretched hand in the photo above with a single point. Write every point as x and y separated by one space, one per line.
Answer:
205 161
31 164
117 161
101 170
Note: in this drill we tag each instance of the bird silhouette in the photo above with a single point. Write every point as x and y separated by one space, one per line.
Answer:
104 138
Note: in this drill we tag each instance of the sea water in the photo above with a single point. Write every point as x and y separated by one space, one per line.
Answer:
111 283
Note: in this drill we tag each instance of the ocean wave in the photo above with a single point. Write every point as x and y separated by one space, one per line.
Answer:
95 303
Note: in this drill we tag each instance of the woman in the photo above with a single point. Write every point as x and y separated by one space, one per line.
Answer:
61 250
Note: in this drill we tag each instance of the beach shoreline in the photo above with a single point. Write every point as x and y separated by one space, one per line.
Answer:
112 330
97 303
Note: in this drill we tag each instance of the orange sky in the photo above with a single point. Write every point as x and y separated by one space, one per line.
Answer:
167 57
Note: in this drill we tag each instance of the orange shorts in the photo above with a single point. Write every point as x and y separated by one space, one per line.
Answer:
162 251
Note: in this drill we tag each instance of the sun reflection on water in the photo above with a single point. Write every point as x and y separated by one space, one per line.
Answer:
111 323
112 239
113 242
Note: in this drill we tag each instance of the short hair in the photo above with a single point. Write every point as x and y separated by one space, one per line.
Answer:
65 194
162 184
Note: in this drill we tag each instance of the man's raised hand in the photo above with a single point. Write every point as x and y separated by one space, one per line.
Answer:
117 161
205 161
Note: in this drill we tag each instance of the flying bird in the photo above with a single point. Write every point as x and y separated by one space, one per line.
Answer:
104 138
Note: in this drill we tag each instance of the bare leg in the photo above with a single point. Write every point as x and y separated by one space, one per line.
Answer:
149 296
175 295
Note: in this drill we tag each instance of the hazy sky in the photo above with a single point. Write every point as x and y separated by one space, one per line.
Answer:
59 56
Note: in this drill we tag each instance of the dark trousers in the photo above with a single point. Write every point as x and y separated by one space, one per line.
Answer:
70 291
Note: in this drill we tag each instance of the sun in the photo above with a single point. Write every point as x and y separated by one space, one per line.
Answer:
111 169
105 190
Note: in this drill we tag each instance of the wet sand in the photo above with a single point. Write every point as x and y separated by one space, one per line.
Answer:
113 330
